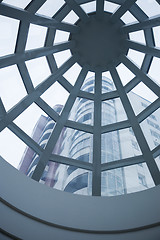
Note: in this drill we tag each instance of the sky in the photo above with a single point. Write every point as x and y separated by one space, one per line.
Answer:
12 89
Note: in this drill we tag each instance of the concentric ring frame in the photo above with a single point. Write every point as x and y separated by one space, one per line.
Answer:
28 16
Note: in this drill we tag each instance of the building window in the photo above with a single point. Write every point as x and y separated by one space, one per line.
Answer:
144 104
153 117
155 134
142 179
153 124
135 145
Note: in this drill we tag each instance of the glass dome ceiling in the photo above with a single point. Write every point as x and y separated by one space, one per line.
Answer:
49 51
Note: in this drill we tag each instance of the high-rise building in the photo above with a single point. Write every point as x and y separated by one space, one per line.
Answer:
115 146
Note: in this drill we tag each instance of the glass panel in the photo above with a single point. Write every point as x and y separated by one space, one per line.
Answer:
151 129
55 95
12 89
38 69
112 111
33 121
71 17
128 18
154 70
61 36
125 74
9 30
107 82
150 7
36 36
62 57
88 84
126 180
12 148
137 178
138 36
82 111
72 179
17 3
89 7
136 57
140 97
49 9
72 74
110 7
157 159
119 144
156 31
112 182
75 144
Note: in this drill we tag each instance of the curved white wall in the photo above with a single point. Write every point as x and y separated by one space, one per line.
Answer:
30 210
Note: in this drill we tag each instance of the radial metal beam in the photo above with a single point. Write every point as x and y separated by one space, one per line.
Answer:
34 5
25 77
34 95
136 128
2 109
99 9
96 173
34 53
47 109
153 51
122 9
23 15
149 110
148 23
122 163
25 138
77 9
70 161
141 75
44 157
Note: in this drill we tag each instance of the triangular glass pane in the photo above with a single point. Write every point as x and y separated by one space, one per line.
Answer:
9 30
119 144
62 57
157 160
55 95
38 69
125 74
12 89
82 111
75 144
72 74
112 111
36 36
141 97
151 129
